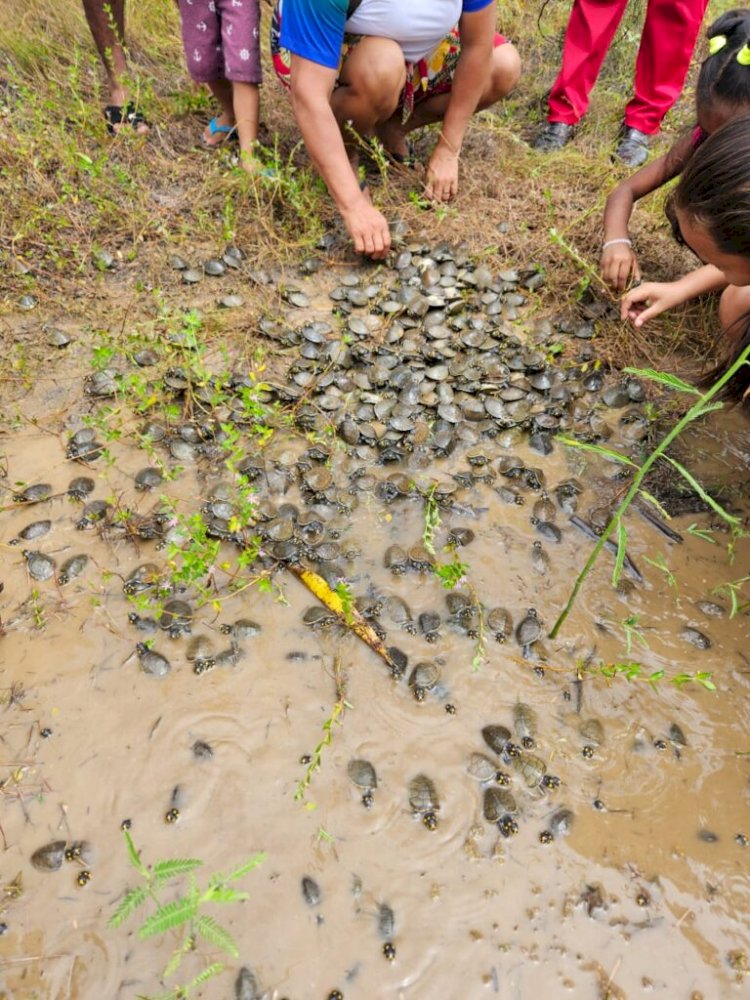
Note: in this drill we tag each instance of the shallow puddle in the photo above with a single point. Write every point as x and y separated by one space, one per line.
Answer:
646 895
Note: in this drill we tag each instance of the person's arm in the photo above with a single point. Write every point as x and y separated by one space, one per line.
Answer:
654 297
618 261
311 89
477 31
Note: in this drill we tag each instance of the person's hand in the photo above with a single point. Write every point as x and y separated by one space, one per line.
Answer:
441 183
368 228
619 265
644 302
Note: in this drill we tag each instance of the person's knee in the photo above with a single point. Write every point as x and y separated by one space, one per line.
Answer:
378 76
506 70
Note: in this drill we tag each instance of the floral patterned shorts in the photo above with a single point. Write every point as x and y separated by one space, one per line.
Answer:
222 40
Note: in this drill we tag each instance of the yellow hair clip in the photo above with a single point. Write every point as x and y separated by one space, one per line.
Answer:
716 44
743 56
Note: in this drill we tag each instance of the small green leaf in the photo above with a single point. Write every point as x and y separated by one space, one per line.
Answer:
703 533
208 973
135 858
596 449
216 934
131 902
169 916
713 504
622 541
254 862
652 500
220 894
664 378
177 956
165 870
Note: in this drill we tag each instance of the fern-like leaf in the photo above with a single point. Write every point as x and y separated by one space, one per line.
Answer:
169 916
212 931
165 870
135 858
177 956
222 894
705 497
208 973
254 862
665 379
595 449
129 904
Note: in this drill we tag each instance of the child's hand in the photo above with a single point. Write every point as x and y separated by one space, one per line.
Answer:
619 265
646 301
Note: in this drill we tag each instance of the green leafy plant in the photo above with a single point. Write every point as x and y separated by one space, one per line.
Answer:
333 720
634 671
706 403
185 914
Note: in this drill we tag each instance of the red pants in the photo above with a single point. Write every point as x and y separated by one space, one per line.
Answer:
667 43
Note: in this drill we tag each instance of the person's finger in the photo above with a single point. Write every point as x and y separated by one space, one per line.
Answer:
648 313
359 243
369 243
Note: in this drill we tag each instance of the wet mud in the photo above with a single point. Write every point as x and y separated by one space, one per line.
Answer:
598 847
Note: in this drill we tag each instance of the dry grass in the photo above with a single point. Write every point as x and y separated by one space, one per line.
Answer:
67 190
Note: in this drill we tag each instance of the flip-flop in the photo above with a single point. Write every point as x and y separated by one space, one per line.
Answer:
128 114
228 131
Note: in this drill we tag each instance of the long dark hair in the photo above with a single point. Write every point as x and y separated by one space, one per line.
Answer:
714 193
722 79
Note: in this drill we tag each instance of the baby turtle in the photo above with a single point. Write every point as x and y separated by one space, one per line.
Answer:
429 625
499 624
176 618
496 803
385 921
531 769
243 628
311 891
400 614
423 678
529 630
40 566
318 617
50 857
396 560
592 731
496 737
524 721
539 559
36 493
152 663
148 478
72 568
544 509
561 822
423 798
37 529
246 985
200 652
695 637
362 773
80 487
481 768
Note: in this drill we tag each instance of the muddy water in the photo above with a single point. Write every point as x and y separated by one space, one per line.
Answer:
647 895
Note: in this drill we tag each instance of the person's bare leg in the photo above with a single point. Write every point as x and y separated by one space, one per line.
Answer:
108 31
246 98
505 73
222 91
370 85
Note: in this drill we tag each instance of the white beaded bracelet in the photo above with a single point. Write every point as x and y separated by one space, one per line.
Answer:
611 243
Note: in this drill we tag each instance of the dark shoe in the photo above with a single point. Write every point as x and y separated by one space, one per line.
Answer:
553 137
127 115
632 147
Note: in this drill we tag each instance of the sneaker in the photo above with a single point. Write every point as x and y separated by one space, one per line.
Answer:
632 147
553 137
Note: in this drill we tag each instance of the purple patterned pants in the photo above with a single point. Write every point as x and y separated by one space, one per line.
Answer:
222 39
